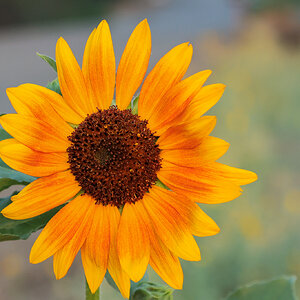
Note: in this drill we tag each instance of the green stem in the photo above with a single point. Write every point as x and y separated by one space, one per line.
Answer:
89 295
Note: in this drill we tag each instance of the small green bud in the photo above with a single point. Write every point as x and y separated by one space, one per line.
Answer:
150 291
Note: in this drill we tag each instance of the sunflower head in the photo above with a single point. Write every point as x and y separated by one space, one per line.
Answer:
105 162
114 156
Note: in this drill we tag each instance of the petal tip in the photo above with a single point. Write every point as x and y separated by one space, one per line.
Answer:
252 176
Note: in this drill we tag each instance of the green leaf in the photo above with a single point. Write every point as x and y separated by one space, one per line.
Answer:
48 60
54 86
9 177
22 229
282 288
146 290
134 105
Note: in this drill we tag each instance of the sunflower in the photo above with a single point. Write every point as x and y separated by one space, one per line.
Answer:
130 179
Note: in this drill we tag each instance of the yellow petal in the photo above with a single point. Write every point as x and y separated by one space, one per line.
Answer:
64 257
200 224
175 101
165 263
98 240
207 97
119 276
186 135
37 134
133 241
199 186
42 103
93 273
133 64
99 67
210 149
61 229
71 79
235 175
170 226
166 73
42 195
30 162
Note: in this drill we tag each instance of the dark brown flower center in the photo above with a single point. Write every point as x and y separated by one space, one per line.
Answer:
114 156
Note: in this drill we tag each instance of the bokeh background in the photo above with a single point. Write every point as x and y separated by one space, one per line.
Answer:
251 46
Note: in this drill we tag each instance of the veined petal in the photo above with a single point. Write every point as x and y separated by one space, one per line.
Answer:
133 241
133 64
170 226
165 263
71 79
37 134
99 67
235 175
186 135
64 257
42 195
166 73
62 228
119 276
210 149
206 98
200 187
199 223
175 101
30 162
42 103
93 274
98 240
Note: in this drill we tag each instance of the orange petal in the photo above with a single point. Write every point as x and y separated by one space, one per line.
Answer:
64 257
42 103
99 67
42 195
165 263
210 149
98 239
30 162
93 273
235 175
207 97
201 187
121 279
186 135
170 226
37 134
176 100
133 241
199 223
62 228
166 73
71 79
133 64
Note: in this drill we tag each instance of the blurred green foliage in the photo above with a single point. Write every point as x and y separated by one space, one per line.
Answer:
260 5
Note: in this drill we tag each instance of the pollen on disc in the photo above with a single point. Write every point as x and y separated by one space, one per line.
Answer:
114 156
